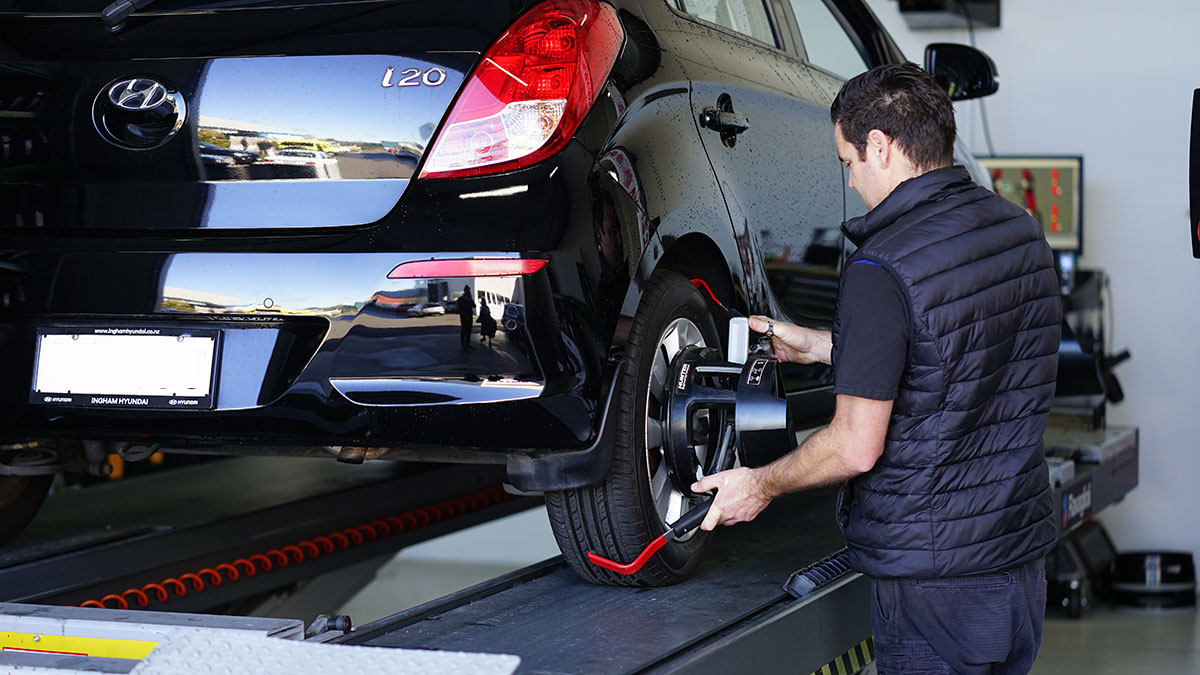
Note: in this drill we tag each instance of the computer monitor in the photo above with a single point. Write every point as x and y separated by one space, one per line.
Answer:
1049 188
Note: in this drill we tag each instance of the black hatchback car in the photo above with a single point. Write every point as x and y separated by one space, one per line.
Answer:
591 174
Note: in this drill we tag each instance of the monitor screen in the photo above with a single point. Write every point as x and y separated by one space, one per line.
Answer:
1049 188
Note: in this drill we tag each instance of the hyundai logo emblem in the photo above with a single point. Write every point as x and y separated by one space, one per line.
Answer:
137 94
138 113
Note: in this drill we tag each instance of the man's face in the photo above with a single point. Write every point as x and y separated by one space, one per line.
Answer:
866 176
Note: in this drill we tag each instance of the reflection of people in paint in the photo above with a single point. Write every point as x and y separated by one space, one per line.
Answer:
466 312
612 263
487 324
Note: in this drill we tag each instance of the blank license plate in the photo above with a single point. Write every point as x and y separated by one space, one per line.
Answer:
125 367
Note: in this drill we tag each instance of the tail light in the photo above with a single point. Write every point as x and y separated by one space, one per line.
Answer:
530 91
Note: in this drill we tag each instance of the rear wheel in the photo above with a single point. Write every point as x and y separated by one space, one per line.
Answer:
20 499
618 518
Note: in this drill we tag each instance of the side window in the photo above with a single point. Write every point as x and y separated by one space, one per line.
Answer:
748 17
825 41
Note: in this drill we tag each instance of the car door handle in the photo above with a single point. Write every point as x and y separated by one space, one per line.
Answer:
724 121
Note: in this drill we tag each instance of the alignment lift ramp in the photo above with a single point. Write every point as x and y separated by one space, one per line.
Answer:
143 583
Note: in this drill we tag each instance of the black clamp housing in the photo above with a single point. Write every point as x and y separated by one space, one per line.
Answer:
764 428
712 404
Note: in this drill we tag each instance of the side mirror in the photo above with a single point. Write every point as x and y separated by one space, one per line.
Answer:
964 71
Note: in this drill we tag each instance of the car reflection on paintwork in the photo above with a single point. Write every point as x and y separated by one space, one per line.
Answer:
427 309
321 164
512 322
513 318
215 154
393 301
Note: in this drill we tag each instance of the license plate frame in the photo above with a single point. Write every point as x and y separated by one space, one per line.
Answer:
124 366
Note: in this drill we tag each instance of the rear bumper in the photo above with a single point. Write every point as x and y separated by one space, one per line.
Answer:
318 349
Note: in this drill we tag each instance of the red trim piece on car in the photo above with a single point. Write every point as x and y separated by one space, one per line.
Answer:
466 267
699 283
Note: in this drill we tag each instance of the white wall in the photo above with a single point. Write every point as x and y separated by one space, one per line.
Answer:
1113 82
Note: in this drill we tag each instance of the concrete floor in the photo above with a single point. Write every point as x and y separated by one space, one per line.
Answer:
1104 640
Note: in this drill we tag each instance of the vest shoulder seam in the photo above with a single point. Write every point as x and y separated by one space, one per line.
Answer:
1004 220
1013 247
992 288
1020 307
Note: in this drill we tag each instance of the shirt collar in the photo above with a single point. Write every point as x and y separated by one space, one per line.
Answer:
929 186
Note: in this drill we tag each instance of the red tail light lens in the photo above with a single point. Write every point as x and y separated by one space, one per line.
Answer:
530 91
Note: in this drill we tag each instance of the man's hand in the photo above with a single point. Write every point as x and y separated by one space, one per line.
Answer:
795 344
740 497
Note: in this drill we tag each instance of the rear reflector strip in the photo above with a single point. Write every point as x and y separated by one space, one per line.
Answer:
467 267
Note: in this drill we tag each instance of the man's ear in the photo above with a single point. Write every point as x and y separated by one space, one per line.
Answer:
879 147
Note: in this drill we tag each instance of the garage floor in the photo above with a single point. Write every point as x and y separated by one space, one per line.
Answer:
1107 641
1104 641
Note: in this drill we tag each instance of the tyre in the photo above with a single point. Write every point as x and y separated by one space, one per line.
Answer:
619 517
20 499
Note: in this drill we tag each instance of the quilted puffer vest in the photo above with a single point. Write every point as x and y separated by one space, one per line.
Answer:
962 485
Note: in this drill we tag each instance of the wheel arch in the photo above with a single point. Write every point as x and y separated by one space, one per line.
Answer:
696 256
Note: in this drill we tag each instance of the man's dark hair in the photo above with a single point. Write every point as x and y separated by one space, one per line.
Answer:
904 102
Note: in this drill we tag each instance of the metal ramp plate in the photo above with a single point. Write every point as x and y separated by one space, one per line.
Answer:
203 655
558 623
63 640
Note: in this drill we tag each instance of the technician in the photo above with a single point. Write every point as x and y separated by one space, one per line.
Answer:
945 349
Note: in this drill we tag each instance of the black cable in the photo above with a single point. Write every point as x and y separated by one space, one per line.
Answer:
1112 314
987 128
987 131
